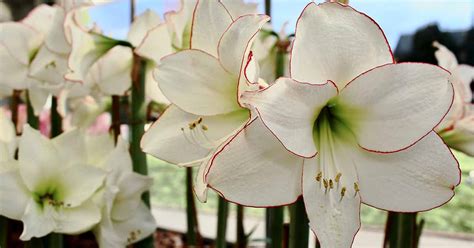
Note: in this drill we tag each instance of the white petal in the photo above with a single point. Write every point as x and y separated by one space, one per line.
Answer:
14 193
87 48
179 24
141 25
465 74
78 182
166 140
393 106
419 178
461 136
446 58
335 42
98 147
235 43
38 98
112 72
196 83
254 169
334 219
14 73
132 186
238 8
37 221
37 160
79 219
41 18
49 67
156 44
200 185
152 90
289 109
70 147
210 21
21 40
142 224
56 38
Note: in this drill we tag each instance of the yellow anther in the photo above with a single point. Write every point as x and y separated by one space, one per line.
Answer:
343 191
182 129
338 177
204 127
325 182
356 187
199 120
318 177
192 125
331 184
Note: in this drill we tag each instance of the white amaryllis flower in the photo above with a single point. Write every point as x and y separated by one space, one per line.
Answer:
8 140
50 187
204 85
457 129
358 128
125 218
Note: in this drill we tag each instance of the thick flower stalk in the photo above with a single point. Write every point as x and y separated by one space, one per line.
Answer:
50 187
349 127
457 129
204 84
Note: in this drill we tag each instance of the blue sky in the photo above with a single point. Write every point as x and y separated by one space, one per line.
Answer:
396 17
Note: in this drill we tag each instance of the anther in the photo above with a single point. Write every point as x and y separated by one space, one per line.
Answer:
331 184
325 182
199 120
204 127
343 192
318 177
338 177
356 187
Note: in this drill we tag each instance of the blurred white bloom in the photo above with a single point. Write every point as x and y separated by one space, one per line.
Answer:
50 187
457 128
125 218
8 140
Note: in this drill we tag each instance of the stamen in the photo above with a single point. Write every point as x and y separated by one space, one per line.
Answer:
343 192
325 182
338 177
318 177
331 184
356 187
204 127
199 120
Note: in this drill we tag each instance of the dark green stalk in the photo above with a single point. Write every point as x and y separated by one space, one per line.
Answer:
241 237
222 215
115 113
32 119
299 229
137 129
268 7
401 230
56 119
192 234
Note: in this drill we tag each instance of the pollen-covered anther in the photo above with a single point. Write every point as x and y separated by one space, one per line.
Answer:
325 183
356 187
338 177
204 127
331 184
343 192
318 177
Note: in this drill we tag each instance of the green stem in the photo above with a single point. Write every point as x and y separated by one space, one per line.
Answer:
400 231
56 119
115 113
3 231
268 7
222 215
137 129
241 237
299 229
33 120
54 240
192 235
275 227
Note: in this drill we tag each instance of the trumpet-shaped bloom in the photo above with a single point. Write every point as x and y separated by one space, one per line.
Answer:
357 129
50 187
203 86
125 218
457 129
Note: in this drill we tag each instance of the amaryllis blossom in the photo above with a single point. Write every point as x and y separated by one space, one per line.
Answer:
349 127
457 129
125 218
204 84
8 140
50 187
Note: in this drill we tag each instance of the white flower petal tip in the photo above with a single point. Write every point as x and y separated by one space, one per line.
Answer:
241 181
292 126
323 55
